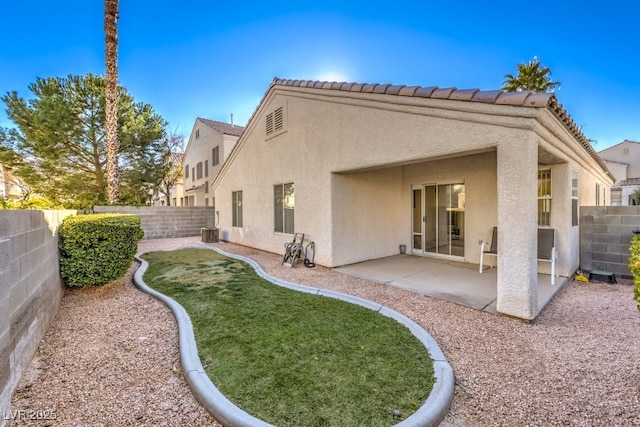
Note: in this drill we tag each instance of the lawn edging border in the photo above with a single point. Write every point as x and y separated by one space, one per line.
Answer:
431 413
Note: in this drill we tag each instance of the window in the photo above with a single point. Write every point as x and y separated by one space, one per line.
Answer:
186 171
275 121
574 197
215 156
236 203
544 198
206 201
206 186
193 174
597 194
199 169
206 168
284 204
197 133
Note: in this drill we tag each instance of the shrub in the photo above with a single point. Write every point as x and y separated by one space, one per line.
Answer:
634 266
97 249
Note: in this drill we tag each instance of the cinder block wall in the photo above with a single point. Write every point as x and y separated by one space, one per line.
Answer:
160 222
605 237
30 290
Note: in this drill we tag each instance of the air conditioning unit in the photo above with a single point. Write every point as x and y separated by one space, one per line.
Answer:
210 235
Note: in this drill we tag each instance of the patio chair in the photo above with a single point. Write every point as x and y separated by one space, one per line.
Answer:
293 250
493 248
547 249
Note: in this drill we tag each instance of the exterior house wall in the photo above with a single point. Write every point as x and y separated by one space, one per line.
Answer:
619 170
199 151
353 158
203 139
626 152
31 289
623 160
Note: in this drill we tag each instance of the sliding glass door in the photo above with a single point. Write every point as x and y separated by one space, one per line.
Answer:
438 219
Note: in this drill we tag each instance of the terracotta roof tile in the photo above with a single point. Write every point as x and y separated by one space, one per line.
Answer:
408 90
425 92
488 96
394 89
463 94
381 88
443 93
368 88
499 97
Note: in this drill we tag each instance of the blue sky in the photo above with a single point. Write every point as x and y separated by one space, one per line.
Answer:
210 59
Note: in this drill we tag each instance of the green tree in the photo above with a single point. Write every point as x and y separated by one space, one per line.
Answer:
532 76
58 146
175 171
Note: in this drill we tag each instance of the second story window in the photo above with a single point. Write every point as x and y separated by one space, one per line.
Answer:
186 171
215 156
199 170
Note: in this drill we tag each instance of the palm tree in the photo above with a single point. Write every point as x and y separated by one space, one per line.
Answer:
532 76
111 94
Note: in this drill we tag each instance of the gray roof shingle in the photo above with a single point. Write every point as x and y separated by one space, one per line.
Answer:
223 128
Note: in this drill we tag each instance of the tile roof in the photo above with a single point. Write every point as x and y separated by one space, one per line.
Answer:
498 97
629 181
224 128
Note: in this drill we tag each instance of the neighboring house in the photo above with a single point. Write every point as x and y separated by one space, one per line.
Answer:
209 145
623 160
364 168
11 187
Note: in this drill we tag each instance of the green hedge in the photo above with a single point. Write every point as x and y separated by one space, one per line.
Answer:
634 265
97 249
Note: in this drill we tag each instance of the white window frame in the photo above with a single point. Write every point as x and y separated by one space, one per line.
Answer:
284 208
545 196
236 206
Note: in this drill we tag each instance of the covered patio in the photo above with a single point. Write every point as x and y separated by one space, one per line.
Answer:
453 281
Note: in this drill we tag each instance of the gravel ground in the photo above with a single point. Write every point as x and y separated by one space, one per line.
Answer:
111 355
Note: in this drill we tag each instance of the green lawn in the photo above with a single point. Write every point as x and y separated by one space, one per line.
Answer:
290 358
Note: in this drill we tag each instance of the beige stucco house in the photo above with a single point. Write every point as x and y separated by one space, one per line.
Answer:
208 147
623 160
364 168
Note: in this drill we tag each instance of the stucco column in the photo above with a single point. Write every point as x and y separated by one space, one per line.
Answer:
517 176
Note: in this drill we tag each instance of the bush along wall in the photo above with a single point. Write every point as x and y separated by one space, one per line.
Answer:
634 266
97 249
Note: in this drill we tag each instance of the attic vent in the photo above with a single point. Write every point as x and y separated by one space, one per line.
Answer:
625 151
278 119
275 121
269 124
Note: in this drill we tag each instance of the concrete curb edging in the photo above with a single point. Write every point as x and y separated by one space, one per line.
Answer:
431 413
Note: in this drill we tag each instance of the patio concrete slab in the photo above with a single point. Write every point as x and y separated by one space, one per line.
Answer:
452 281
